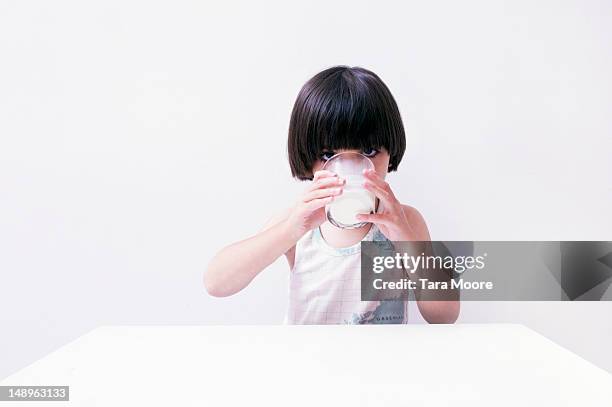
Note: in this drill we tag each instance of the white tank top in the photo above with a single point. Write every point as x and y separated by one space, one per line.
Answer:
325 285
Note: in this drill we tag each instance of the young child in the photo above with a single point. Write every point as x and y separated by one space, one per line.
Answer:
340 109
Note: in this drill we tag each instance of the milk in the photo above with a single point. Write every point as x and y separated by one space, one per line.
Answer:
354 200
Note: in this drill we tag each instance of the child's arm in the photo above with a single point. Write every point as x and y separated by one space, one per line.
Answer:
435 312
404 223
236 265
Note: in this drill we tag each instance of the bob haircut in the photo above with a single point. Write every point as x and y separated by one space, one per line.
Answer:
343 108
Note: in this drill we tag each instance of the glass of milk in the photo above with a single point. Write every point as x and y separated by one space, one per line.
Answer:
355 199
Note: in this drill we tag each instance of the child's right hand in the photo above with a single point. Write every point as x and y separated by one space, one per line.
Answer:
309 212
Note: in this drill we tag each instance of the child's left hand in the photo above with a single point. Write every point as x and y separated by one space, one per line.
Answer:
392 220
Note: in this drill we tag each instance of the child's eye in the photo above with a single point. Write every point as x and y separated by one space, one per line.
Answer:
370 152
326 155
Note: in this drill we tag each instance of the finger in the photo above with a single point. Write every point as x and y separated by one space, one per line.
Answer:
318 203
322 174
377 218
326 182
385 197
372 175
321 193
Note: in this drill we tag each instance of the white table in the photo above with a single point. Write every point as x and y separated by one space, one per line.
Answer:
414 365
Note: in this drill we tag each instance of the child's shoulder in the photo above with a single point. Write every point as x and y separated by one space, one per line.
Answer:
412 213
416 221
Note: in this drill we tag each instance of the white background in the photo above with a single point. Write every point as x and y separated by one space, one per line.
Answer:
138 138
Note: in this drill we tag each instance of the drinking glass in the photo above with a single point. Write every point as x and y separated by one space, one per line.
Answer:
355 199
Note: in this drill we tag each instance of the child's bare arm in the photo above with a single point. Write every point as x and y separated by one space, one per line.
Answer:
434 312
236 265
404 223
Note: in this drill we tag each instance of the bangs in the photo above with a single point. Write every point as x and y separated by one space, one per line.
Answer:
343 108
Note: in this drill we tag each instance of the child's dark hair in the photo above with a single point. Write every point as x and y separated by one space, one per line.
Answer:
343 108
